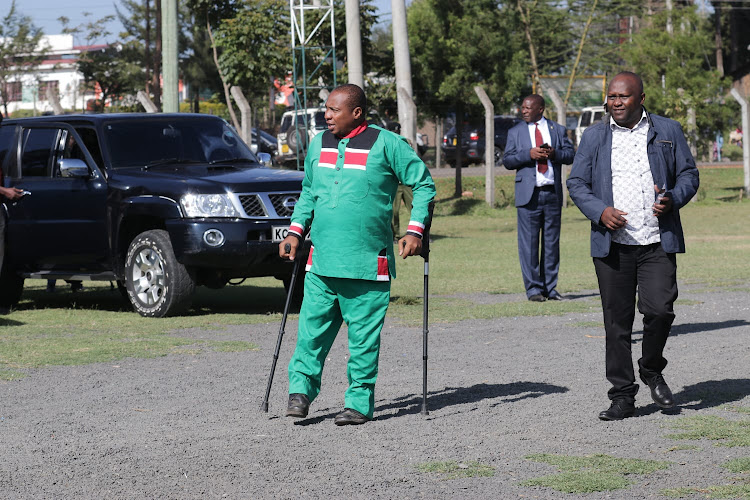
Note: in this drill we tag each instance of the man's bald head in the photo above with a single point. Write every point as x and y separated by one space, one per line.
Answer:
355 96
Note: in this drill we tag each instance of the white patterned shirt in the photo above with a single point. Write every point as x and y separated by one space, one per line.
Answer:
633 184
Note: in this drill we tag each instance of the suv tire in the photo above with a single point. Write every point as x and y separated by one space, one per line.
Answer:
295 145
157 284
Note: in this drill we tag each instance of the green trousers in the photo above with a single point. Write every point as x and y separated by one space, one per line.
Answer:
362 304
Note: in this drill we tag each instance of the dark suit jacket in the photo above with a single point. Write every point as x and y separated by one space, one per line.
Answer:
517 157
590 181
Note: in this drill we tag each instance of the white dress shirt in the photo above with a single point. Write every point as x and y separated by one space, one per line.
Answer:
547 178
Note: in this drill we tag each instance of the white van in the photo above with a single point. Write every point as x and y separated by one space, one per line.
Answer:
589 116
310 122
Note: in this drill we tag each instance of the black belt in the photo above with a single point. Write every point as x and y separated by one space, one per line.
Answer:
547 187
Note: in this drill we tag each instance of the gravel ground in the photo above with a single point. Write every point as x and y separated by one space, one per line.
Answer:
189 426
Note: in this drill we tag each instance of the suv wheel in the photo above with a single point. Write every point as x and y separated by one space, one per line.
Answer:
157 284
297 146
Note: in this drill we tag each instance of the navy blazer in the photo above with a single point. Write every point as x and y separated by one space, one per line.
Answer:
590 181
517 157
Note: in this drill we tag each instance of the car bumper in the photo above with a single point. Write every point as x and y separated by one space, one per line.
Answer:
248 249
467 153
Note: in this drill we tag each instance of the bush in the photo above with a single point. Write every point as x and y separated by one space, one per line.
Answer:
732 151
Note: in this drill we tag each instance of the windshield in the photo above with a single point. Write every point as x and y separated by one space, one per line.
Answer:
182 140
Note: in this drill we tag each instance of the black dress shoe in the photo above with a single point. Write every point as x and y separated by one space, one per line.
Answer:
298 405
537 298
619 409
555 295
660 392
350 417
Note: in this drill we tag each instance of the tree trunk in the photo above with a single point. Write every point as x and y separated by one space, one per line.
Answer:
459 141
718 40
148 47
733 41
526 20
578 55
224 83
156 75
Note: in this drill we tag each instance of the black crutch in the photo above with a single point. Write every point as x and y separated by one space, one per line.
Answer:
426 256
292 282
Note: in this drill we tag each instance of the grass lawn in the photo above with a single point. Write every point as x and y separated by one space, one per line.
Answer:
474 251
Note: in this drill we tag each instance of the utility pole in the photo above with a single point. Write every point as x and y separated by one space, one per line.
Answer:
170 102
403 69
354 44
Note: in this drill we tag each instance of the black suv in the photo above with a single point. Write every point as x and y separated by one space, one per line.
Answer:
161 203
472 150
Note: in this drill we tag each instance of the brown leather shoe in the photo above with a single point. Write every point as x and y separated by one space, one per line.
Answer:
350 417
298 406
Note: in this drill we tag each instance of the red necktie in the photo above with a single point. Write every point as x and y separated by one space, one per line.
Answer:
541 164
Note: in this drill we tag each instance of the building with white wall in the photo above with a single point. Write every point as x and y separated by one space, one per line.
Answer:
59 71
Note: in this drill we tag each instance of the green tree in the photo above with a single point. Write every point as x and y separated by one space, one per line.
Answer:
20 54
457 44
106 67
678 72
254 46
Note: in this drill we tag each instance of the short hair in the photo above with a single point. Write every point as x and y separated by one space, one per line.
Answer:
355 96
634 76
539 99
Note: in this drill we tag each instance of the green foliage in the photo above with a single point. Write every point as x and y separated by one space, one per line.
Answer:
677 73
457 44
732 151
108 67
19 57
456 470
254 45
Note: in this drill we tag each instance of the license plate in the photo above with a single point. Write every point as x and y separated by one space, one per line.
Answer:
278 233
284 148
454 141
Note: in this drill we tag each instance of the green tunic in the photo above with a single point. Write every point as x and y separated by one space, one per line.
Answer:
347 195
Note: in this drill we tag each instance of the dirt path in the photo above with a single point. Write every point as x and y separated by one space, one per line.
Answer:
189 426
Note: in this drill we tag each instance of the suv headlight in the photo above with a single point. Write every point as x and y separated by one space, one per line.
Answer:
208 205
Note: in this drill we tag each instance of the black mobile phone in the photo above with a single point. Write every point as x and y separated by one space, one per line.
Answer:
545 146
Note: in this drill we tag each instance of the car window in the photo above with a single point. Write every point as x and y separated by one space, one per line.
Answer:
38 145
286 122
91 141
598 115
320 120
140 143
6 143
504 123
585 119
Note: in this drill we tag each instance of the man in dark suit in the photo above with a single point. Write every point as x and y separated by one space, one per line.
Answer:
632 173
537 148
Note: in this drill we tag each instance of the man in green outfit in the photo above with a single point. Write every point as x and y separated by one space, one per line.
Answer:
352 172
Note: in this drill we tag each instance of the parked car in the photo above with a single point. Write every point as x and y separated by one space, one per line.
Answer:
160 203
266 142
588 116
473 141
296 131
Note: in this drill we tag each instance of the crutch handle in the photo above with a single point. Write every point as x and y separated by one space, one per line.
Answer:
287 248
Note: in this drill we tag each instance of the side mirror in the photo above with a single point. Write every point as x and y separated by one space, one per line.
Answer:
254 148
265 159
72 167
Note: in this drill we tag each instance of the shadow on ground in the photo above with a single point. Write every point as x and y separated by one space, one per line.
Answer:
708 394
454 396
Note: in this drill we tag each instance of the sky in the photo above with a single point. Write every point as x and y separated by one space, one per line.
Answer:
44 13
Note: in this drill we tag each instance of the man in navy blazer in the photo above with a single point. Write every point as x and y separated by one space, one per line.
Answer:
632 173
537 148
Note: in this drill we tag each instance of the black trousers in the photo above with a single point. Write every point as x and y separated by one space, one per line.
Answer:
653 273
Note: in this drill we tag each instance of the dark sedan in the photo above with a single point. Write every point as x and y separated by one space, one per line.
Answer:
473 143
